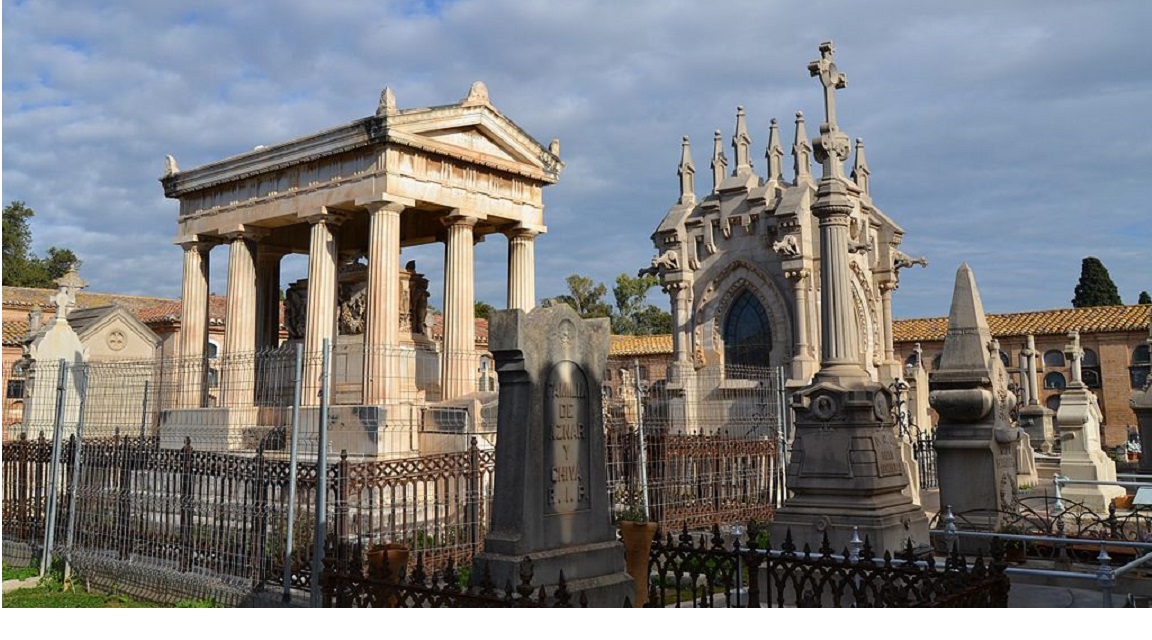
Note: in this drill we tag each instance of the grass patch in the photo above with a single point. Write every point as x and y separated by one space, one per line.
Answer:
51 596
20 573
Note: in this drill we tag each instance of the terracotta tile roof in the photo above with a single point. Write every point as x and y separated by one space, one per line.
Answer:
436 328
1055 321
640 345
27 297
14 332
168 312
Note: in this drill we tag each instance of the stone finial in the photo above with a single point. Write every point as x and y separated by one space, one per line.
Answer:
968 333
69 285
918 351
170 168
554 147
774 154
742 145
719 162
860 170
387 104
687 172
801 151
477 94
830 77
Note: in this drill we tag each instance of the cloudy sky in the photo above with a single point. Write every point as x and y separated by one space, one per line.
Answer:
1011 135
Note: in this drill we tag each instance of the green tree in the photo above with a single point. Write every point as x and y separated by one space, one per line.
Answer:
1144 298
1095 288
482 309
586 297
21 267
633 314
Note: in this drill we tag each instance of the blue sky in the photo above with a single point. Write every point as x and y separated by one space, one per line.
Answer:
1008 135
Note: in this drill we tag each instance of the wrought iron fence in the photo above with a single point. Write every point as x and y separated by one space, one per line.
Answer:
924 451
712 572
699 451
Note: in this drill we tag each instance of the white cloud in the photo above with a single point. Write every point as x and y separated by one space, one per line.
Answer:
1006 134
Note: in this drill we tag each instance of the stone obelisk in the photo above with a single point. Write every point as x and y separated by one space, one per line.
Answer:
846 469
975 438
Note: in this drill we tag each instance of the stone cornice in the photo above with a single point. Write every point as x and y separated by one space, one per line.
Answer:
403 128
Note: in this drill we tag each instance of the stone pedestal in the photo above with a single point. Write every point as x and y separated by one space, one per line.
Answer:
550 502
1081 457
1036 421
846 471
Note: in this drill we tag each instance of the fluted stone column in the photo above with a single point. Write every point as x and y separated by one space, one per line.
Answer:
886 326
803 363
459 360
382 322
268 296
320 322
839 340
522 269
194 321
236 388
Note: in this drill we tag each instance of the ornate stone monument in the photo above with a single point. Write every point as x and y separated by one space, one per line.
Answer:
1081 457
1142 406
846 468
975 438
550 502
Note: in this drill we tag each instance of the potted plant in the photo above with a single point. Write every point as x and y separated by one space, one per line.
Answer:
637 533
1013 549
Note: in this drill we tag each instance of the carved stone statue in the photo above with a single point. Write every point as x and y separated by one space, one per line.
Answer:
788 246
663 263
296 309
901 260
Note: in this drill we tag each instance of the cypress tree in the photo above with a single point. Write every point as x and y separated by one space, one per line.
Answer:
1144 298
1095 288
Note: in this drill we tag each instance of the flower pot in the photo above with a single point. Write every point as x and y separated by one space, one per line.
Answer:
637 538
396 555
1123 502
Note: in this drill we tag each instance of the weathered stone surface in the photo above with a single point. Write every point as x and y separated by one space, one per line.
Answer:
975 438
550 501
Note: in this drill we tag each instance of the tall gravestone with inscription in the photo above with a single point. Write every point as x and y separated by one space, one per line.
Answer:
550 502
975 438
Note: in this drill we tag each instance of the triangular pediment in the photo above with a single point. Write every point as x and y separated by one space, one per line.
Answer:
476 133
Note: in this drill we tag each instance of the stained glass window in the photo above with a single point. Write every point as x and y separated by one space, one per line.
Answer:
747 334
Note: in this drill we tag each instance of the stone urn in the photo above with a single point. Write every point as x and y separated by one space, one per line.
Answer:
637 537
396 556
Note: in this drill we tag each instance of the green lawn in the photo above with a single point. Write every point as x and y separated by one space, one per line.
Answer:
51 596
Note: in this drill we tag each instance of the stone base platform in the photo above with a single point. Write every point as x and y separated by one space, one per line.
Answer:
596 570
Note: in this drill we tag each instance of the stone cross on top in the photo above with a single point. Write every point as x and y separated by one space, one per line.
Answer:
830 77
65 299
1074 353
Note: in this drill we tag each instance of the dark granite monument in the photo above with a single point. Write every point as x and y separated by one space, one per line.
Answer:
550 502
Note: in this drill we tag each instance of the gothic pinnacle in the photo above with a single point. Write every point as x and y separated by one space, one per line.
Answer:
801 151
719 162
741 145
687 172
774 154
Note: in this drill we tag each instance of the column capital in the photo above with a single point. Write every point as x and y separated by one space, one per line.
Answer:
797 274
197 243
456 218
385 202
521 231
245 232
325 216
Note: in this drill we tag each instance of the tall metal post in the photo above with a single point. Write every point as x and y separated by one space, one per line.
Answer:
82 389
57 434
321 478
293 459
144 410
643 458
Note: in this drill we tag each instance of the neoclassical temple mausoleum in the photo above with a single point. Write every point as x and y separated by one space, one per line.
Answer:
351 198
742 264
